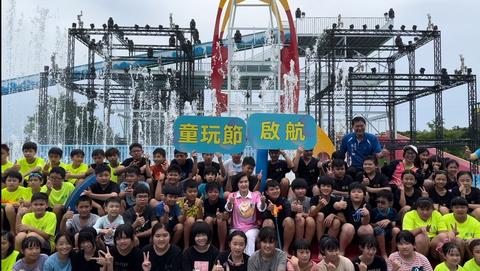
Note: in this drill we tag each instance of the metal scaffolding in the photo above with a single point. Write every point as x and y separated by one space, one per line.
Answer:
385 87
144 91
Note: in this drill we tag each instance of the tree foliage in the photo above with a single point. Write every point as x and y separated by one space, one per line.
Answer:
455 133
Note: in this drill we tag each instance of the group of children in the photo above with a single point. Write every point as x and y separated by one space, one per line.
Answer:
159 209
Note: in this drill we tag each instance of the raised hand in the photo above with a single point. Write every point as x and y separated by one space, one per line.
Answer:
16 167
231 200
384 151
259 175
300 150
49 184
462 189
343 204
270 206
194 155
217 267
364 211
68 214
425 167
293 261
46 167
362 266
396 264
185 206
218 155
199 203
322 202
435 168
146 265
454 229
166 208
468 152
400 187
139 221
107 258
424 192
329 171
330 267
366 181
263 198
282 152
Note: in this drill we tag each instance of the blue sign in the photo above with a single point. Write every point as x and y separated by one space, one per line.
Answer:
209 134
286 131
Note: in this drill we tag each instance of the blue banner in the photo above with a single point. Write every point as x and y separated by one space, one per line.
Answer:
209 134
286 131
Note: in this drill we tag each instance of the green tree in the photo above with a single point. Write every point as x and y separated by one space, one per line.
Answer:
455 133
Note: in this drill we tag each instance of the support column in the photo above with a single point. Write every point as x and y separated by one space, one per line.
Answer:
43 108
412 101
108 39
473 121
91 94
391 106
437 63
69 110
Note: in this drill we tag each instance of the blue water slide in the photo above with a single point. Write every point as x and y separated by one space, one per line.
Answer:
202 50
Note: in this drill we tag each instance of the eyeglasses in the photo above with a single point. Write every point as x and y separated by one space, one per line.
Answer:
382 202
410 153
231 263
136 151
55 178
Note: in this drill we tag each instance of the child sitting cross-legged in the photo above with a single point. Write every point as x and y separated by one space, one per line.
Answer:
383 219
12 196
102 189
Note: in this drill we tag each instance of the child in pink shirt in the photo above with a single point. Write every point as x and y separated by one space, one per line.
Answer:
242 206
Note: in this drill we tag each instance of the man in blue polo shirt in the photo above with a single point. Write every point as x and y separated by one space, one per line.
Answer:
360 144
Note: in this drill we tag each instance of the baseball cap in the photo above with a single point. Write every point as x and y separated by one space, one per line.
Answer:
411 147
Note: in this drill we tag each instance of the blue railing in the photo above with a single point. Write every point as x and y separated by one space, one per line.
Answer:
124 152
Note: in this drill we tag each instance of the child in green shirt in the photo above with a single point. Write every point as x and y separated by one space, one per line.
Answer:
29 163
76 170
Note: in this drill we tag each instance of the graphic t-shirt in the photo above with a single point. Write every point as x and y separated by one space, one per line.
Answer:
192 209
130 262
47 223
25 166
467 230
278 170
244 216
15 196
104 223
194 260
59 196
79 170
412 220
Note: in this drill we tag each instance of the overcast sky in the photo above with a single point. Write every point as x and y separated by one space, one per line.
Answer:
32 30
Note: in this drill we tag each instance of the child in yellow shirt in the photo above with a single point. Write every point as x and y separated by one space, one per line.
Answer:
12 196
29 163
76 171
